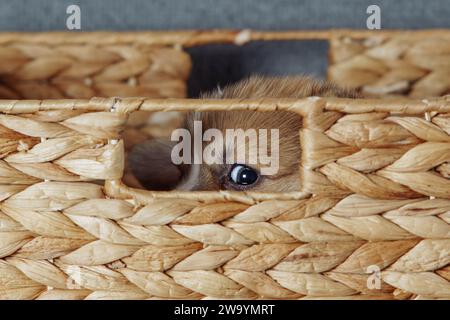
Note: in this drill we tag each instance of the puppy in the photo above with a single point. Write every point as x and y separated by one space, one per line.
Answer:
152 162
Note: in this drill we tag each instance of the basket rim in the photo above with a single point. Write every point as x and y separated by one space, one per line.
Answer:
118 190
302 106
194 37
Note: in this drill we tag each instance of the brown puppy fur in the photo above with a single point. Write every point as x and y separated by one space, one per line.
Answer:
151 162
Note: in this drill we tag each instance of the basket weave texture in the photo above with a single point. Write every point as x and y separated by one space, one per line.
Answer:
375 189
376 193
44 71
403 64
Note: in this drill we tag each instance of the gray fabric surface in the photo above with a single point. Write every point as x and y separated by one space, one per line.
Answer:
221 64
34 15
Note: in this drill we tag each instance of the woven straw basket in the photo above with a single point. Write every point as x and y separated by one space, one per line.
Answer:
375 176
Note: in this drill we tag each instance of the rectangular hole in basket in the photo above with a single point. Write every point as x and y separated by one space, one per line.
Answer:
221 64
266 142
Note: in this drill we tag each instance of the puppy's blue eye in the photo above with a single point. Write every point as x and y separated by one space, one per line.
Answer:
243 175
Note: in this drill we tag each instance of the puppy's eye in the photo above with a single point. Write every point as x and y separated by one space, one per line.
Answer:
243 175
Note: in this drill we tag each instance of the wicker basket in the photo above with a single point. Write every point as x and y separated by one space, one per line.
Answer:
376 196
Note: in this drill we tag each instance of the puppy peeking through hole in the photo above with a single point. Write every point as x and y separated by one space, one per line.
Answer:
233 150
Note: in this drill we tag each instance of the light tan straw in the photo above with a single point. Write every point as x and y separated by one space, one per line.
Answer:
370 222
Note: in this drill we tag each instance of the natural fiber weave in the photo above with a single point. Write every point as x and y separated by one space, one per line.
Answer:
375 193
403 64
42 71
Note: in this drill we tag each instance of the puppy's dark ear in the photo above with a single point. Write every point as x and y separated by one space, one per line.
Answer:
151 164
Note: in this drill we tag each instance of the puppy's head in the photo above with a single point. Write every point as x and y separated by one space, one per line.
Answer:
245 175
153 161
251 150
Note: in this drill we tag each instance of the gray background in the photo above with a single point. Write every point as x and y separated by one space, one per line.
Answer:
221 64
38 15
